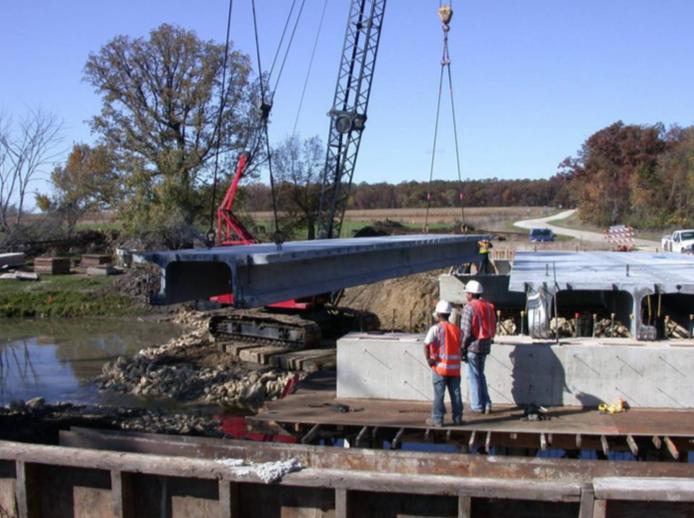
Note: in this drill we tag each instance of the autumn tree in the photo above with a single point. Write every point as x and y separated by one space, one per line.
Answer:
613 173
298 167
87 181
160 116
675 173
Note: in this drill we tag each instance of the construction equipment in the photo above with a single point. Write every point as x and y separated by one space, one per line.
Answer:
266 325
347 122
348 114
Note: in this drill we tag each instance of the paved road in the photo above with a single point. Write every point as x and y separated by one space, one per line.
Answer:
585 235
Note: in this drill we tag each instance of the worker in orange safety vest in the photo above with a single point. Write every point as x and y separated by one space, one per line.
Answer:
478 325
442 352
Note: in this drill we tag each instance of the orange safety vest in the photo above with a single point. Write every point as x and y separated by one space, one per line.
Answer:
445 350
483 319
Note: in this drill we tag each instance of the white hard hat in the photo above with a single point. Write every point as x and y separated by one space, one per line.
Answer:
443 307
474 287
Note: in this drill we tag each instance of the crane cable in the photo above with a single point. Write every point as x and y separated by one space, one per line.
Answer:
310 66
222 102
265 108
445 14
289 45
284 33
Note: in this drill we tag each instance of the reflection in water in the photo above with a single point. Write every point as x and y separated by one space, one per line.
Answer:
58 360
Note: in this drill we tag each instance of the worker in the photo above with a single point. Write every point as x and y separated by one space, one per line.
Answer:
485 265
478 326
442 354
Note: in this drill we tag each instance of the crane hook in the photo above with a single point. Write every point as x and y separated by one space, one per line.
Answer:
445 15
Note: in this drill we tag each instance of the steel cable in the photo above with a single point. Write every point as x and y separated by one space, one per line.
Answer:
222 102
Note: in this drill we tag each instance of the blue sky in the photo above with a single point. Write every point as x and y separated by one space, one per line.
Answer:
533 79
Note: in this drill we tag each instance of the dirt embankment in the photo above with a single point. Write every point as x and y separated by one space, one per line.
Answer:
403 304
191 369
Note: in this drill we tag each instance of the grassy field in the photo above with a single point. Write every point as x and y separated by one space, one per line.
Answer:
494 219
61 296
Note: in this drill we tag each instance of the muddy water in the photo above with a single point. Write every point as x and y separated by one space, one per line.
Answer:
58 360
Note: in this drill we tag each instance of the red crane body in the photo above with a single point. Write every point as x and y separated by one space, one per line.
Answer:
231 232
228 225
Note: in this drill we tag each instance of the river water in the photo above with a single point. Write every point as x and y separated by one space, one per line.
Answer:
59 359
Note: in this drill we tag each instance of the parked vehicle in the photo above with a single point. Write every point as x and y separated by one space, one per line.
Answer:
679 241
540 234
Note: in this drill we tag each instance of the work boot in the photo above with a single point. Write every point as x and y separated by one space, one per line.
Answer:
457 421
488 409
434 423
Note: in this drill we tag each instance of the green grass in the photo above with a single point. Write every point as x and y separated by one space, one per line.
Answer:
61 296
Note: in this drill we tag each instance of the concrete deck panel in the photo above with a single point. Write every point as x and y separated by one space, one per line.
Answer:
263 274
519 370
638 274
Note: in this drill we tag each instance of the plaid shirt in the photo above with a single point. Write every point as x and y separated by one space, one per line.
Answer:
470 342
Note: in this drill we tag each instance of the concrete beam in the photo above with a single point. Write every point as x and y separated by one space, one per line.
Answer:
263 274
628 277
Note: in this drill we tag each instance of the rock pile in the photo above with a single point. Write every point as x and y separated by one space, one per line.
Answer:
172 371
179 424
36 419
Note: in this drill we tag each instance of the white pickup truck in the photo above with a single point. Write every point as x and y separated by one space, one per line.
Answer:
679 241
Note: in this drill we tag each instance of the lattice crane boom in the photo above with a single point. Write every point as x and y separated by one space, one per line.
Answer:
348 114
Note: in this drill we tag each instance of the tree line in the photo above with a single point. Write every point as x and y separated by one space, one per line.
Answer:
491 192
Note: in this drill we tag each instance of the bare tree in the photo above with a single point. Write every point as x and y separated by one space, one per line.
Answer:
298 167
24 152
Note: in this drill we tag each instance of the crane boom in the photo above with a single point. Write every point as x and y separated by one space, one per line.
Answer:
348 114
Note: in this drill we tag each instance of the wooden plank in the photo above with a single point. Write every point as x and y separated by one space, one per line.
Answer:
341 503
632 445
587 504
261 354
26 490
464 504
122 496
514 487
660 489
657 442
475 487
228 499
671 447
600 509
300 360
393 461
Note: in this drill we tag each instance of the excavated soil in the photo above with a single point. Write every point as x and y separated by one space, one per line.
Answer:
403 304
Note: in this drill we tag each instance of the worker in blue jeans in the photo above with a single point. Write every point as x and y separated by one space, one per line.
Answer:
478 327
442 353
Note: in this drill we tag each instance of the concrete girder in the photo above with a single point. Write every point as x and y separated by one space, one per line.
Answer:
543 275
263 274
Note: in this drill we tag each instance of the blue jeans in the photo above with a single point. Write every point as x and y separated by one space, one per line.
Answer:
479 396
440 385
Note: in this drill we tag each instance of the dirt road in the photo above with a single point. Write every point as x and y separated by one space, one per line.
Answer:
585 235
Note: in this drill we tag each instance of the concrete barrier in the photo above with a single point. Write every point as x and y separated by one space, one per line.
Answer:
579 372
